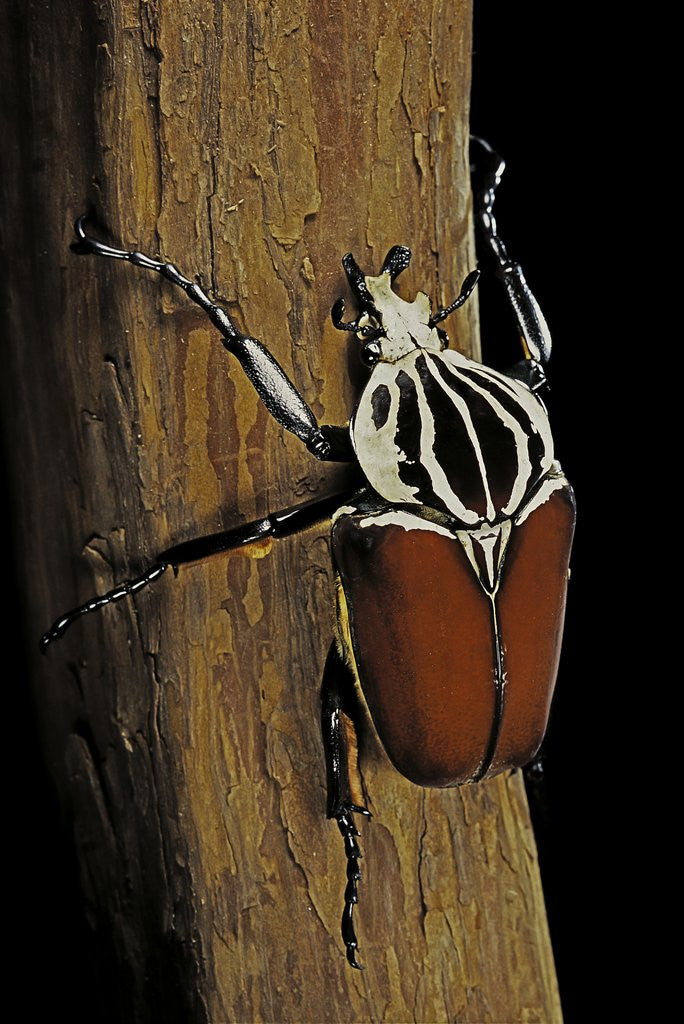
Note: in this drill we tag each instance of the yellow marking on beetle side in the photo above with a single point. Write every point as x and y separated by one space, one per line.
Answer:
353 773
343 631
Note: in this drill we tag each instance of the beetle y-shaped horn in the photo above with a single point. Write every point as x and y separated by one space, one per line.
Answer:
466 291
357 282
357 279
396 260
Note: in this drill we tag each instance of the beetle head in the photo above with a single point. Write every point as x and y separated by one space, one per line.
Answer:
387 326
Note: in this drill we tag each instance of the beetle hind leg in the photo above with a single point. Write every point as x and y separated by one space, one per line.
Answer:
349 832
345 794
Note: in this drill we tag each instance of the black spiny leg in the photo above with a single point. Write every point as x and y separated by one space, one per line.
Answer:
535 337
277 524
345 796
274 387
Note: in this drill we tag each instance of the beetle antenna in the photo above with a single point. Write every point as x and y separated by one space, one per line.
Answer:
466 291
345 823
336 314
59 628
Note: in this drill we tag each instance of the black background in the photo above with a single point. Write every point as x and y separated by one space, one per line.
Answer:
545 94
540 96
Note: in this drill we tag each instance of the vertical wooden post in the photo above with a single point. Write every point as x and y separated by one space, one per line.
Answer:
253 144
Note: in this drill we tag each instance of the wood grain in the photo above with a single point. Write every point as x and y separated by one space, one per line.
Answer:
253 144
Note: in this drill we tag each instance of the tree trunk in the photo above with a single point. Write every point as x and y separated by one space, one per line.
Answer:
254 144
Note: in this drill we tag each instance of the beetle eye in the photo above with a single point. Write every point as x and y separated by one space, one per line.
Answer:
370 353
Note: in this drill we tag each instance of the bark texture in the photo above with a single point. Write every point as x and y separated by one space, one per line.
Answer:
253 143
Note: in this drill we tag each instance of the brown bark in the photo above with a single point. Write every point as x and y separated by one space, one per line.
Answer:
254 143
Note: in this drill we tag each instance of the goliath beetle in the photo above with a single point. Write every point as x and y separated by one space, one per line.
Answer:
454 552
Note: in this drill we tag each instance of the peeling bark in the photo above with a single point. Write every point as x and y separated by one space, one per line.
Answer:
254 144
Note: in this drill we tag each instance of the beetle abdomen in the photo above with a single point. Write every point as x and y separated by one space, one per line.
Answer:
458 679
437 429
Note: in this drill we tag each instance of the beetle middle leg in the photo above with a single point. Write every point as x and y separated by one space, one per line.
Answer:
340 703
276 524
345 796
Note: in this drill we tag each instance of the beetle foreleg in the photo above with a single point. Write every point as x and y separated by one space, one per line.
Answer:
274 387
345 795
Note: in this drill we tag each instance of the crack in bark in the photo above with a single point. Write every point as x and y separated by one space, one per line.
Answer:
149 30
213 154
422 861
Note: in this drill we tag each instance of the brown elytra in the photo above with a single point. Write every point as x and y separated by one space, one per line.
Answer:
423 638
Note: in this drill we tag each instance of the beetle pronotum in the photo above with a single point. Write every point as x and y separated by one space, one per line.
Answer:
464 518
